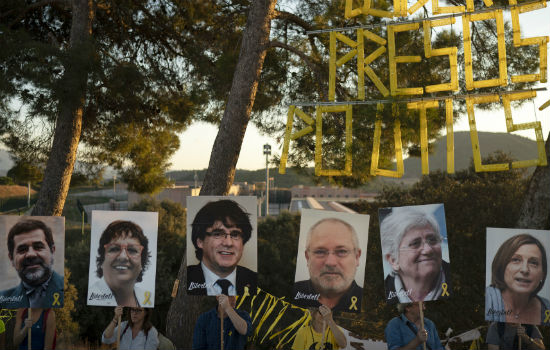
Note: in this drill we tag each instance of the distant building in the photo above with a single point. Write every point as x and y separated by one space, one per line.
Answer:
176 193
331 193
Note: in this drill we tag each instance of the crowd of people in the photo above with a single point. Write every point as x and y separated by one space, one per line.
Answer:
411 245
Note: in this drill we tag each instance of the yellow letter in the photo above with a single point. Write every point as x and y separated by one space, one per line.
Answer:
393 60
450 51
374 170
319 171
288 136
502 80
541 41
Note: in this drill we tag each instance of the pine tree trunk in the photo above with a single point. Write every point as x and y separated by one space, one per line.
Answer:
227 146
535 211
185 309
68 127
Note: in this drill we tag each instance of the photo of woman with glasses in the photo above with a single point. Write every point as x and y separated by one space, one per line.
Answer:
221 249
516 276
415 253
122 265
136 333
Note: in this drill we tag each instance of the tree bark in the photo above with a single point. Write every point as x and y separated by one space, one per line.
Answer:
68 127
227 146
535 211
185 309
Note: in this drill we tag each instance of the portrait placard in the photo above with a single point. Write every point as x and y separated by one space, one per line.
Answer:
222 254
123 258
415 253
33 258
515 278
330 266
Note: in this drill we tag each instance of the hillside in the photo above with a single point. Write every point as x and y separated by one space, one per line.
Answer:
519 147
14 191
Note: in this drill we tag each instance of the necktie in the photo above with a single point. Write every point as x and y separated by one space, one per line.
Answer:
225 285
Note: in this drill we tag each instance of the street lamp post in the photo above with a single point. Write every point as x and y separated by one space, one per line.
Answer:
267 152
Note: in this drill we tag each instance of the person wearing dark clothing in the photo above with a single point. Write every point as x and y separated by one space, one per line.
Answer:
237 326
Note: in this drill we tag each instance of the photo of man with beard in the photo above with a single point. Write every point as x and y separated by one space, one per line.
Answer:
31 249
332 244
125 253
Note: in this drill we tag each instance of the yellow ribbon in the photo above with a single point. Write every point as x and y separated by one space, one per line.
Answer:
147 300
547 316
444 287
353 302
56 299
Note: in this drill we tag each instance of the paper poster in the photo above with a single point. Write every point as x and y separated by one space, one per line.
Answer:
222 254
123 258
516 267
415 253
33 259
330 267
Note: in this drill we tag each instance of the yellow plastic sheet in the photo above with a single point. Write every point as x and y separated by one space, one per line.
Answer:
470 102
422 106
350 12
367 10
334 62
503 77
319 171
449 121
510 127
470 4
292 110
393 60
541 41
363 62
375 156
447 51
438 10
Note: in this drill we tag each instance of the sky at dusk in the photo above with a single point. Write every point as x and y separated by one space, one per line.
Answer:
197 140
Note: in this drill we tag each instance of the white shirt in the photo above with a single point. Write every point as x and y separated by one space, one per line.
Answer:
127 342
99 294
210 278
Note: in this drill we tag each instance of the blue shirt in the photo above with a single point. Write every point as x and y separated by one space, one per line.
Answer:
398 333
207 332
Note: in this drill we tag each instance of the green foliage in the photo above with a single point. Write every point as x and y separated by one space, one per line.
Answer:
6 180
473 201
277 249
306 80
23 172
66 326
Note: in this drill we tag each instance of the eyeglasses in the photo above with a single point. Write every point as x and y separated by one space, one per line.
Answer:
324 253
136 311
418 243
220 234
132 250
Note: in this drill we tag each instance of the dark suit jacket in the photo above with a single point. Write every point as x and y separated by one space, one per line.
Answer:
16 298
245 277
305 295
389 283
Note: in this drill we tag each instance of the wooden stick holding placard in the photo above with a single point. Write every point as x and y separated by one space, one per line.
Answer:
118 332
519 338
421 308
221 329
323 337
29 331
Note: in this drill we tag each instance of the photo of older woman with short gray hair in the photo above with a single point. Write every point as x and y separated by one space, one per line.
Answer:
415 253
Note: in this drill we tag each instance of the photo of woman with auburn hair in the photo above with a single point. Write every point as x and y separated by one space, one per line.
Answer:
518 272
